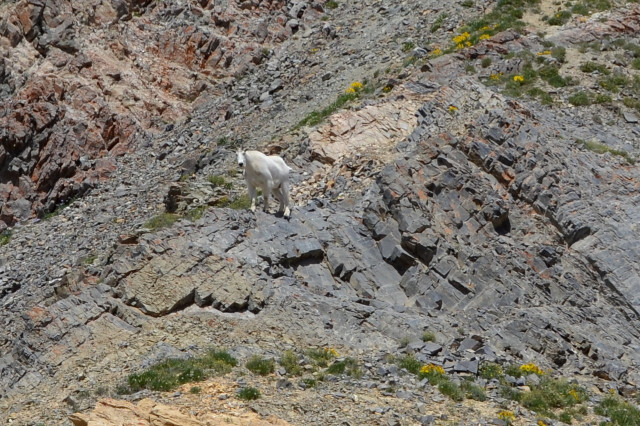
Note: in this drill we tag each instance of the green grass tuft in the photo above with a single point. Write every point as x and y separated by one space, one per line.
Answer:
291 364
473 391
348 366
320 357
600 148
590 67
451 390
409 363
249 393
195 213
261 366
5 237
219 181
620 412
490 370
163 220
428 336
580 99
171 373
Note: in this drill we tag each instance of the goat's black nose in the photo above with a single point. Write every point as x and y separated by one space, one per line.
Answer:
240 164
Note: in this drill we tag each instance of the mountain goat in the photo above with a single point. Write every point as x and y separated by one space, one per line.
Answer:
268 172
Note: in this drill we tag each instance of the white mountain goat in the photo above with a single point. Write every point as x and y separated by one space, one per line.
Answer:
268 172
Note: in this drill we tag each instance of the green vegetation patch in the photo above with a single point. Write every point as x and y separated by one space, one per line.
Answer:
291 363
5 237
316 117
219 181
560 18
506 14
620 412
613 82
451 390
438 22
248 394
195 213
490 370
473 391
409 363
331 4
261 366
348 366
163 220
600 148
171 373
549 395
428 336
581 98
590 67
321 357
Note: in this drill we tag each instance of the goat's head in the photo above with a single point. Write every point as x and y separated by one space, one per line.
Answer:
241 159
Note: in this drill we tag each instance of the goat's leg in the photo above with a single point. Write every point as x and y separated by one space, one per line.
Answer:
278 194
266 193
253 195
285 200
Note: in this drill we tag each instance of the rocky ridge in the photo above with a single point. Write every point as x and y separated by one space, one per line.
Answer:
487 224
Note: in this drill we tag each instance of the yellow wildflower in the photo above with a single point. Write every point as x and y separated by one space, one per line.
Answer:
432 368
506 415
574 394
460 46
386 89
531 367
356 85
541 423
436 52
484 37
468 43
485 28
520 79
461 38
494 77
331 351
545 52
452 108
350 90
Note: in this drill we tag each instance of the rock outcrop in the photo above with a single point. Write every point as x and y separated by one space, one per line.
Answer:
431 203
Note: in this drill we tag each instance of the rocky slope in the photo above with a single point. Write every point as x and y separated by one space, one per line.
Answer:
432 203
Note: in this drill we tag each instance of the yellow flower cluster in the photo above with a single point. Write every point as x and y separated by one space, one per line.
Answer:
452 108
518 79
386 89
532 368
331 351
495 76
541 423
545 52
461 38
506 415
432 368
436 52
486 28
574 394
355 87
484 37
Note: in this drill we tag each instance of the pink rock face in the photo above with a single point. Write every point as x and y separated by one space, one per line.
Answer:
80 79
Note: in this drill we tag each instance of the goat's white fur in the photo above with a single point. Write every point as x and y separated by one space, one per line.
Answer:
268 172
